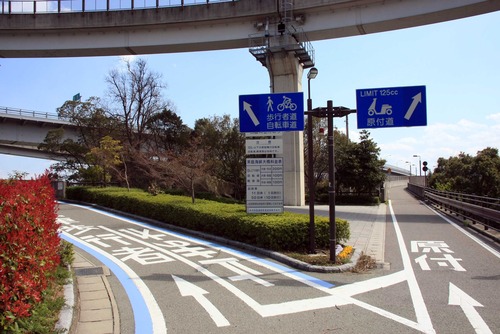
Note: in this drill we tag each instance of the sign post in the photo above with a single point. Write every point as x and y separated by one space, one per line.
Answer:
271 112
391 107
266 117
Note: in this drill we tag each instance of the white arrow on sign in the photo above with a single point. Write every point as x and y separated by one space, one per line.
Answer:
468 304
189 289
416 100
248 108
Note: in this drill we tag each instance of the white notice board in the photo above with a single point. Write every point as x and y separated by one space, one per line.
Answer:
264 185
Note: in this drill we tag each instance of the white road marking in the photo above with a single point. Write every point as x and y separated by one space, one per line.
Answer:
423 317
336 296
468 305
189 289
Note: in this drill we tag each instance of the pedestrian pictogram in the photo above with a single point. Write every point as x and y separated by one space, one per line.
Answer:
272 112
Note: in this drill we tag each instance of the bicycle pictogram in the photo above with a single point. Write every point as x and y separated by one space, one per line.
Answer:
287 104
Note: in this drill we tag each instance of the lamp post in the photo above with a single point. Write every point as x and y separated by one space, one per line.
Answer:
313 72
419 163
409 166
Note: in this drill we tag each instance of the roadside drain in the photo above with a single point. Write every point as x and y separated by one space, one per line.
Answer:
90 271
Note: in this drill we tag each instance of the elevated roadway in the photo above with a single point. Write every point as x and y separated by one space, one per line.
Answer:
21 131
60 32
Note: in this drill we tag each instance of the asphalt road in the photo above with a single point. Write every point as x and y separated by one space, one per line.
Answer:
440 280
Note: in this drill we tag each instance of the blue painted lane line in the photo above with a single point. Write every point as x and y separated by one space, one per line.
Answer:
143 305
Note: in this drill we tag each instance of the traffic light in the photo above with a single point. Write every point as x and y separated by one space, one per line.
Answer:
425 169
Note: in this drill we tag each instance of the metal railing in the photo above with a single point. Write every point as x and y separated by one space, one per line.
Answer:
27 113
477 209
71 6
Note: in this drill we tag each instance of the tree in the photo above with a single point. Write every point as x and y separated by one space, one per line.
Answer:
190 166
92 119
137 94
225 146
92 123
369 169
143 114
479 175
105 159
168 131
357 167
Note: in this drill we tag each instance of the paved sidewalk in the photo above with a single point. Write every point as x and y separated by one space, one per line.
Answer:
367 223
96 310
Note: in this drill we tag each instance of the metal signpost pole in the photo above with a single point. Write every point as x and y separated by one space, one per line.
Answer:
312 241
331 181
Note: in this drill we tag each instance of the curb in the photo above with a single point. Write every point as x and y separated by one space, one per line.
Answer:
66 314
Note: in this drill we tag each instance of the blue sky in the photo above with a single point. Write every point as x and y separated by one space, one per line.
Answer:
457 61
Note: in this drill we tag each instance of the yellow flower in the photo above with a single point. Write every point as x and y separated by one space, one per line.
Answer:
345 254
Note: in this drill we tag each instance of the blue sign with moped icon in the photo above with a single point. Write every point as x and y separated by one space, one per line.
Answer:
391 107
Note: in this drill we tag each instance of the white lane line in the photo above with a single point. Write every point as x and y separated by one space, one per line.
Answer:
478 241
423 317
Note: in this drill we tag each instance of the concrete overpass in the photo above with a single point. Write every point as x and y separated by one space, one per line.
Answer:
21 131
50 29
278 33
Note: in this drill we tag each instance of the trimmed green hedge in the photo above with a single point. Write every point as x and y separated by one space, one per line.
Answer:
278 232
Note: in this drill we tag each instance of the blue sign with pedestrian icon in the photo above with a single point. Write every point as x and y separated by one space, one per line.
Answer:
271 112
391 107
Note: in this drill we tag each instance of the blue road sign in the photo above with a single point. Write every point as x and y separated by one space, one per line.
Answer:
271 112
391 107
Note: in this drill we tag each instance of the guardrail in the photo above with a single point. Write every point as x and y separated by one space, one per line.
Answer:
28 113
477 209
70 6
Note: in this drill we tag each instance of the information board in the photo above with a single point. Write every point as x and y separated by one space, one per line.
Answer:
264 185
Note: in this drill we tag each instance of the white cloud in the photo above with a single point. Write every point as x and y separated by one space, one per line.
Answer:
442 140
494 117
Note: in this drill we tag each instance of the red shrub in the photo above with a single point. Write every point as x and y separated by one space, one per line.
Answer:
29 242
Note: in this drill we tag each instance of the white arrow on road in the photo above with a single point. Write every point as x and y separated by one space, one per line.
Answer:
416 100
189 289
248 108
468 304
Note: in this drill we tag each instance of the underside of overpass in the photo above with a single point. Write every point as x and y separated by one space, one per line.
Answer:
212 26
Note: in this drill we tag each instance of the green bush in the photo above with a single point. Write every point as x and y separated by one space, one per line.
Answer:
279 232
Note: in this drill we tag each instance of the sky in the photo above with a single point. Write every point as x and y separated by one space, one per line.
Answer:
457 61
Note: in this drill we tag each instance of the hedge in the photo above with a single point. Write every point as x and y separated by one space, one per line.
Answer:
29 245
279 232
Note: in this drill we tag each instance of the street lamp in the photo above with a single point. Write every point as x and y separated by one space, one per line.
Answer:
409 164
313 72
419 163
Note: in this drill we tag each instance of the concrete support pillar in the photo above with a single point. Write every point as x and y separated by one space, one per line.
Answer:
285 73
